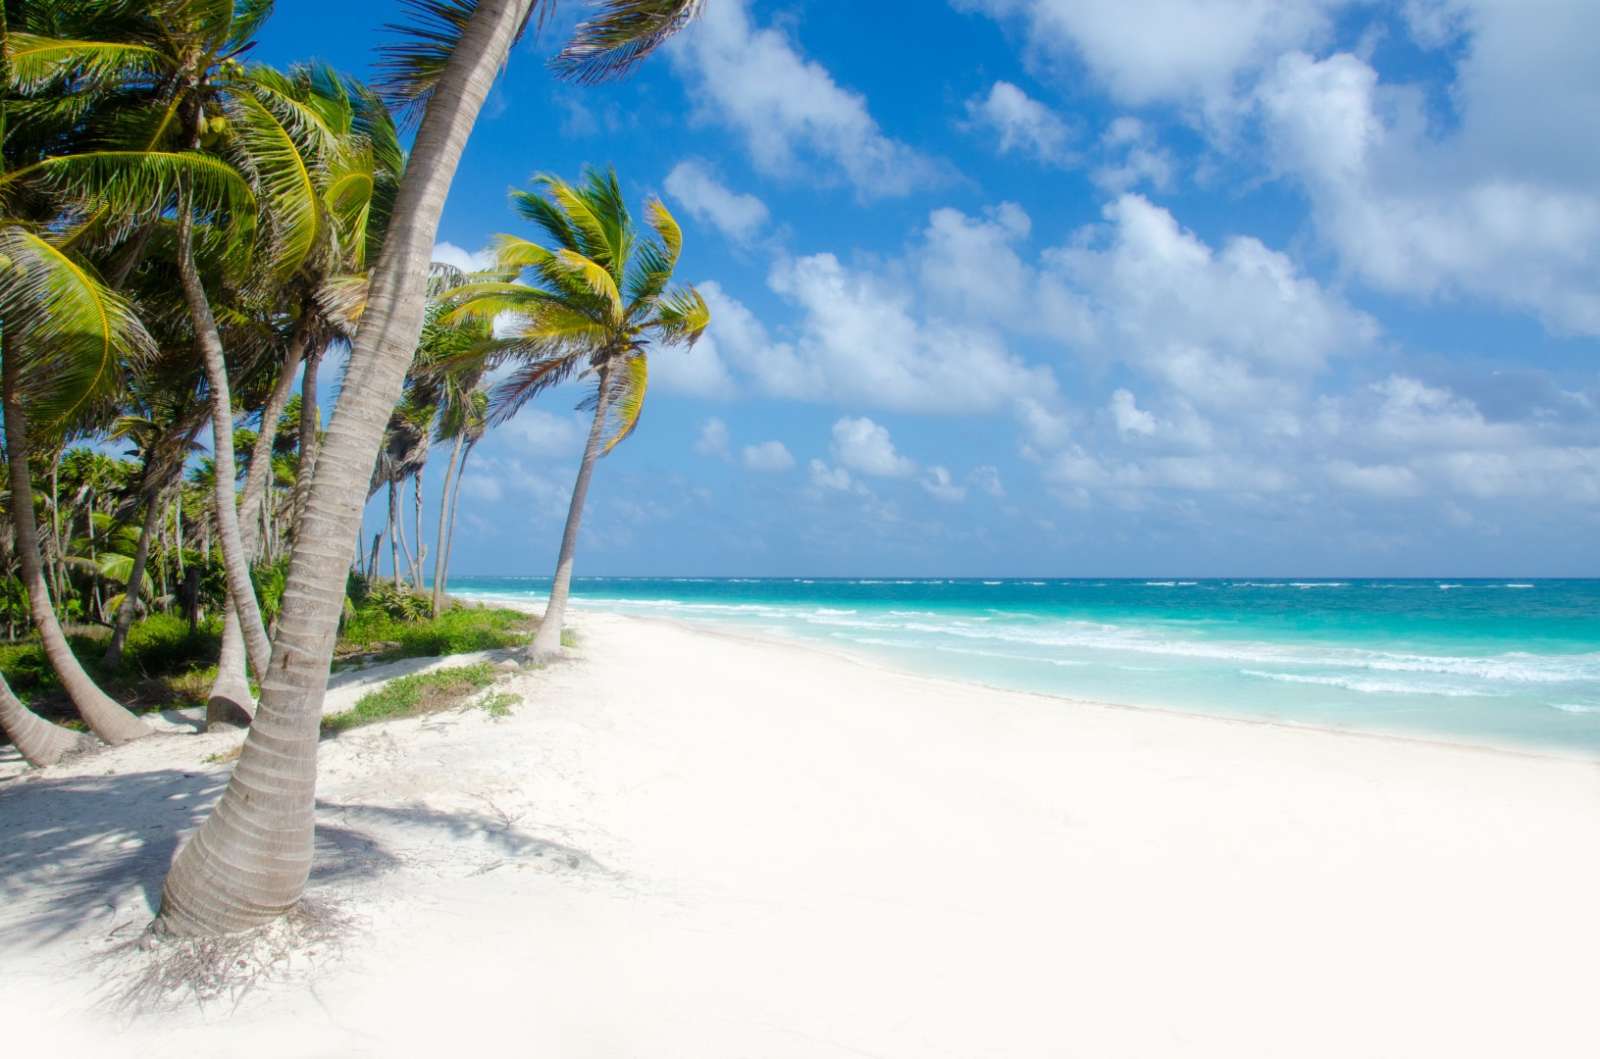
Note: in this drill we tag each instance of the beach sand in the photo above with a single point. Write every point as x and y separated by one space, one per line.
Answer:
685 844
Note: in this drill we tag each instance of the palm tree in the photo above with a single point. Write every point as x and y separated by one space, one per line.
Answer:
65 341
248 862
39 741
599 298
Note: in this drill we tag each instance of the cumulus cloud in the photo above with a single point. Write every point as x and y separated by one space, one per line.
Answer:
1021 123
1130 419
1187 52
713 439
465 260
794 119
737 215
1415 215
545 432
865 446
834 479
1133 156
768 457
941 486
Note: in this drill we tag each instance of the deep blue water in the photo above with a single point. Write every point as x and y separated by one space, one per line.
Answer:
1500 661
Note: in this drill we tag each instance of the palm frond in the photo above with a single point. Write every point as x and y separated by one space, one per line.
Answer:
682 316
411 65
278 166
71 334
598 280
137 186
622 34
35 63
628 384
542 367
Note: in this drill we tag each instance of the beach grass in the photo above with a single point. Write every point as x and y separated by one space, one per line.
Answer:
414 695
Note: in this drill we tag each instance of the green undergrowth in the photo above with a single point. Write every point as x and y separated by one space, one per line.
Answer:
373 635
414 695
164 666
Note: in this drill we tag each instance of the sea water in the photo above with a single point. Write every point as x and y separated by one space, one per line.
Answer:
1502 661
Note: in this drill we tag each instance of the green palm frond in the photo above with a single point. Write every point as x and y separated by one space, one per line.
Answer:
620 35
628 384
682 316
542 367
598 280
72 335
136 186
36 63
278 166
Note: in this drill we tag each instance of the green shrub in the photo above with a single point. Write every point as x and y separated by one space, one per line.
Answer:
456 631
412 696
399 603
162 644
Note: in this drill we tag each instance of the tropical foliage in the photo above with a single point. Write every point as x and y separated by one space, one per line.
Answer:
185 235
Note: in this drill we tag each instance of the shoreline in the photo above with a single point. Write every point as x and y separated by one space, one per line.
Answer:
866 660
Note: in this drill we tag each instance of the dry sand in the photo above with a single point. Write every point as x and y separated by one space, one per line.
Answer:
687 845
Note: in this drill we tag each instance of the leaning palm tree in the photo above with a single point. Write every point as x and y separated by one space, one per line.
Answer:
598 298
249 861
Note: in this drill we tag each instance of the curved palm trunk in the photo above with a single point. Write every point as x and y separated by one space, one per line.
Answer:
248 862
109 720
234 559
130 597
455 498
310 423
229 701
394 535
444 512
38 741
547 641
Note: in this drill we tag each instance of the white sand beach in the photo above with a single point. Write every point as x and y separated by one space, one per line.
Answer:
688 845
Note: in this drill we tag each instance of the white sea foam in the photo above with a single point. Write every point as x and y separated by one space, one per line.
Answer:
1161 584
1377 687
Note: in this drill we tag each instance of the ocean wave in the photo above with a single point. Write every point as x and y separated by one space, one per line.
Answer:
1161 584
1370 687
1319 584
1517 585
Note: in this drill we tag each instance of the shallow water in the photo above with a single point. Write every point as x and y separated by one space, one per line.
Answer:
1503 661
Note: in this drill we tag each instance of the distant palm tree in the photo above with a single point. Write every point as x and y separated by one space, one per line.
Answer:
599 297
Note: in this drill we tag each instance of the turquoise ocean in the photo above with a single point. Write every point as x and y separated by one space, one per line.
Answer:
1503 661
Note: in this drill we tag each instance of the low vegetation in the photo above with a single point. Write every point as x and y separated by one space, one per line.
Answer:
373 634
420 693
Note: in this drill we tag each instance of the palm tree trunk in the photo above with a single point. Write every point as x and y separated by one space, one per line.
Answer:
229 701
110 721
234 560
444 511
310 423
394 537
547 641
38 741
455 498
248 862
416 527
130 597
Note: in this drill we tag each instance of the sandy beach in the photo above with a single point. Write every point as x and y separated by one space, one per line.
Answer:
684 844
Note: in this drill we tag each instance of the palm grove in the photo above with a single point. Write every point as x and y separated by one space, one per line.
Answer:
184 237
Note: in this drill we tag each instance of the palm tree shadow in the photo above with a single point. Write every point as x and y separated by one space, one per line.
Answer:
83 851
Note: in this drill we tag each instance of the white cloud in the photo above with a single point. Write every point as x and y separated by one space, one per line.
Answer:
698 371
986 479
1234 327
1381 479
735 214
830 478
795 120
713 439
1022 123
941 486
1190 52
865 446
768 457
1130 419
1472 215
465 260
1133 157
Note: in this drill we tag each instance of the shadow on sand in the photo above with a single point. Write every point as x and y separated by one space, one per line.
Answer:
81 851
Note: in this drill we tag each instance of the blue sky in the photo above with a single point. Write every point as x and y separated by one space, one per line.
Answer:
1074 287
